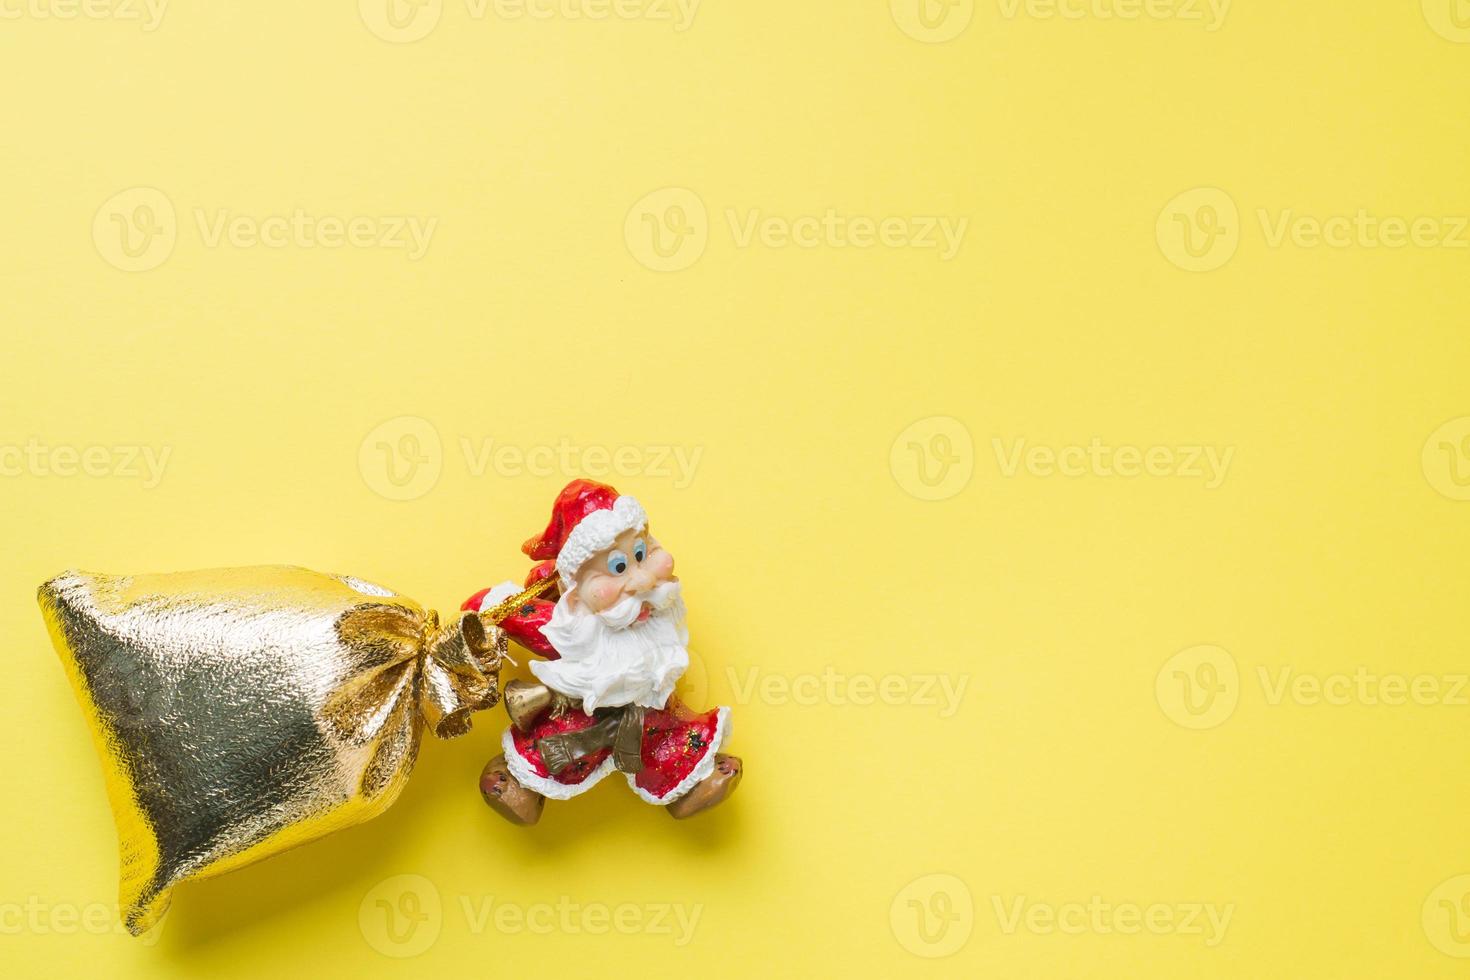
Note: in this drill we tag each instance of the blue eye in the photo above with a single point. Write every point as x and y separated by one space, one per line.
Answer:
640 551
617 563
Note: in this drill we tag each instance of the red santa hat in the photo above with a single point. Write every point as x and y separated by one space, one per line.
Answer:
587 517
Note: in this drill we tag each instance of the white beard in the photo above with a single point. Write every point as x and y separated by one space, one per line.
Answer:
608 659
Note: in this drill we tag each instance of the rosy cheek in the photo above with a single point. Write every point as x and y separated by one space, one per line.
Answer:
602 595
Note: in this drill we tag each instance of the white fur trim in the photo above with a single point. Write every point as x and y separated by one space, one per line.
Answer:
497 595
549 788
596 531
701 772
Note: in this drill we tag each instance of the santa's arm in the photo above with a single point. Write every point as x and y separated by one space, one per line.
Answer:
524 624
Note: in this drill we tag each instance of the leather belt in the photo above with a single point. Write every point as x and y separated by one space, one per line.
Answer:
620 729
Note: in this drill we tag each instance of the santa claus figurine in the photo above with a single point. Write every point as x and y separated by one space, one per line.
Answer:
611 630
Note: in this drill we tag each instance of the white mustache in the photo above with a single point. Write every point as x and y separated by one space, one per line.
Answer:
625 612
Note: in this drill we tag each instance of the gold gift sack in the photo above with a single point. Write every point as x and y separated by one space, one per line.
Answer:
240 712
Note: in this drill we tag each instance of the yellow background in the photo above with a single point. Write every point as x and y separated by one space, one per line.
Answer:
802 539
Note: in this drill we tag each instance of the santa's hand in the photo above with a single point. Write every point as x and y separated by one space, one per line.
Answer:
561 704
523 625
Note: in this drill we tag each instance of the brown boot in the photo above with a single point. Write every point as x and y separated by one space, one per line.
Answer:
712 790
507 797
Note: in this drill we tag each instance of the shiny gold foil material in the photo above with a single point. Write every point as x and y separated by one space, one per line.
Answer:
240 712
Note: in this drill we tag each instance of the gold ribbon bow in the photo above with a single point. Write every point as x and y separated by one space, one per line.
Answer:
431 675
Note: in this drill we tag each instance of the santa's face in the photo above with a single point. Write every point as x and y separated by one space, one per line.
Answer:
634 565
619 632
